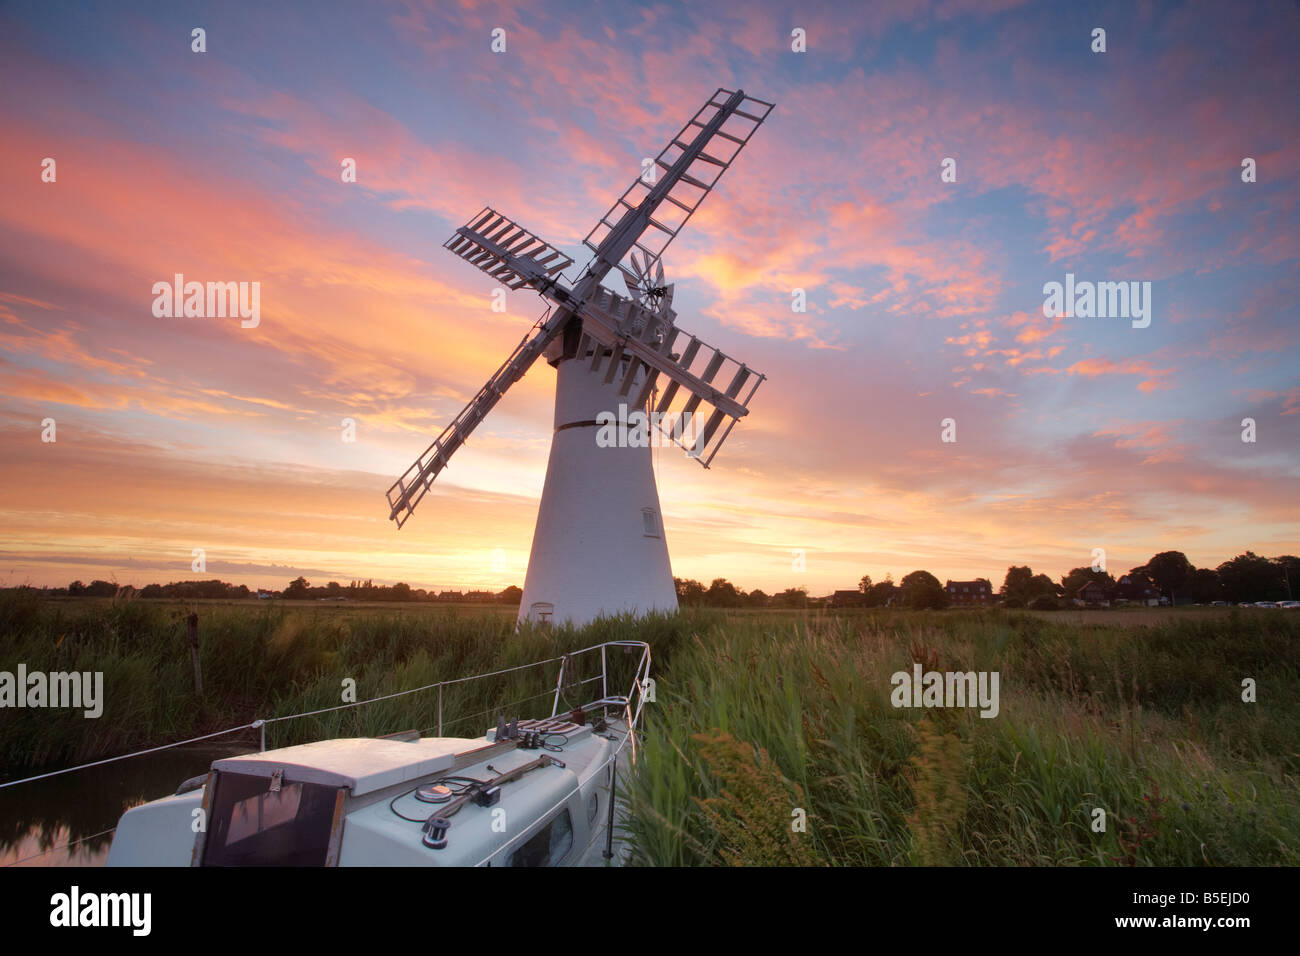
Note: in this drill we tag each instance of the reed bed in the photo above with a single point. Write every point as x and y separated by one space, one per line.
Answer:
1144 723
772 739
261 662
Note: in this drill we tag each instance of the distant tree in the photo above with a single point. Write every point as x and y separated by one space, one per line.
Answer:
1078 577
76 588
1289 565
1015 586
511 595
924 590
880 593
689 592
1021 586
865 584
1169 570
334 589
1043 586
792 597
100 589
401 591
1250 577
297 589
757 598
722 593
1203 586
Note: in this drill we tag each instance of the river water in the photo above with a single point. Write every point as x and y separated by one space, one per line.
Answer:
38 820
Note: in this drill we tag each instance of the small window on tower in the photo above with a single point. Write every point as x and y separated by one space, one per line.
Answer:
650 522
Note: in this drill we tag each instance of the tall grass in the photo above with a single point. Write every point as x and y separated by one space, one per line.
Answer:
1146 724
762 720
271 661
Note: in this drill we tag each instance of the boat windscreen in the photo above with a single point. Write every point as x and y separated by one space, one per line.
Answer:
253 825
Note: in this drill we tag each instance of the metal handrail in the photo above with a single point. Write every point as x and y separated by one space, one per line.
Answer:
631 716
260 724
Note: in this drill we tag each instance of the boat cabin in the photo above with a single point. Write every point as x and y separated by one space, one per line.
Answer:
536 793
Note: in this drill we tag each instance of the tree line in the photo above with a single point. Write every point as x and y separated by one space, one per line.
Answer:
1247 578
298 589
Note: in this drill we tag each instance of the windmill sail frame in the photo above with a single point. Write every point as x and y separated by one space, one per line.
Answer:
689 185
638 341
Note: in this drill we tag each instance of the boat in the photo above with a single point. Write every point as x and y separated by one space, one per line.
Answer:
529 792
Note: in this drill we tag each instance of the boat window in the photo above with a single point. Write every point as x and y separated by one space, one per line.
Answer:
251 825
548 846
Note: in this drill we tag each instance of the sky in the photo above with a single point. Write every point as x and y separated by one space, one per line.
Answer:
925 293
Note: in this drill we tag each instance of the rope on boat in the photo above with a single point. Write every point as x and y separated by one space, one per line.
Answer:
632 717
261 723
416 690
484 713
138 753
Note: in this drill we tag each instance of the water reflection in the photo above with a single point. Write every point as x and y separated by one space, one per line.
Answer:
38 820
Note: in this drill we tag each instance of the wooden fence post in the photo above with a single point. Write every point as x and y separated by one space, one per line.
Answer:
193 622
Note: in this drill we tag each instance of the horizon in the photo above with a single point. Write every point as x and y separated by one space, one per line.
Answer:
348 580
926 299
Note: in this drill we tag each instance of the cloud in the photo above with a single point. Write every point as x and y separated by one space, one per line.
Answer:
922 296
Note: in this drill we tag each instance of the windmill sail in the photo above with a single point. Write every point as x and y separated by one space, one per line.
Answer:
516 258
691 165
619 328
630 339
407 491
506 251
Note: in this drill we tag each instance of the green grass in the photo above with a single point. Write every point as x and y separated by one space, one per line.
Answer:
264 661
760 714
1145 723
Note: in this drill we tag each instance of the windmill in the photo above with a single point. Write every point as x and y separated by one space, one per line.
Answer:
599 546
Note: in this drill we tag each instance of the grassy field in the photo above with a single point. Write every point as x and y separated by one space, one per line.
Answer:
1136 714
766 718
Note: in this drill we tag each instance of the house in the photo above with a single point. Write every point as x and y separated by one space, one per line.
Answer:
853 598
977 593
1135 588
1091 594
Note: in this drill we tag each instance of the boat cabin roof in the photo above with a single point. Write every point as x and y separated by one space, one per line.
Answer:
362 764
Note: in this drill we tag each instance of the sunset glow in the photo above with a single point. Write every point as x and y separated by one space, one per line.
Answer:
925 298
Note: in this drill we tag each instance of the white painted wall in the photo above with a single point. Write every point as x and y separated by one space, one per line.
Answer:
590 553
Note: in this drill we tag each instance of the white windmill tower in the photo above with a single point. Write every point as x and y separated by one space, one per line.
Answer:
599 545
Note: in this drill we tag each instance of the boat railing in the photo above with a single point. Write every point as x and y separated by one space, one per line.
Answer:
630 704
